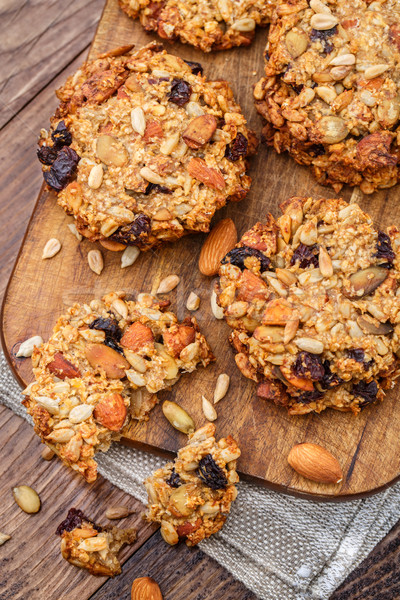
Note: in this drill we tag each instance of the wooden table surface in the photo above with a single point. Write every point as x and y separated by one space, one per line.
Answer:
42 42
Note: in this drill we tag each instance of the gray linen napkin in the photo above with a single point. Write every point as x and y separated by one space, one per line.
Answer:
281 548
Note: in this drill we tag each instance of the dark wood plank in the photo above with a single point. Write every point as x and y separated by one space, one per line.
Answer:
38 40
55 284
31 563
182 573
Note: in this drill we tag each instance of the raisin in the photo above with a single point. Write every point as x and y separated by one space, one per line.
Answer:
155 187
237 148
308 365
316 150
307 397
322 35
47 155
329 380
174 480
135 233
211 474
237 257
62 169
109 326
74 519
297 88
306 255
180 92
61 136
367 391
384 247
358 355
195 67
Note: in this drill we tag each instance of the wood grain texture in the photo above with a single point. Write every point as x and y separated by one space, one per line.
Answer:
181 573
38 40
31 563
265 433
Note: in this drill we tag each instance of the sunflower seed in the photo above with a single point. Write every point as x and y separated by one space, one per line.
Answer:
26 348
244 25
26 498
343 60
168 284
309 345
151 176
325 263
129 256
178 417
51 248
138 120
120 307
4 538
319 7
323 21
74 231
47 453
193 301
221 387
50 404
95 260
374 71
80 413
209 411
118 512
95 178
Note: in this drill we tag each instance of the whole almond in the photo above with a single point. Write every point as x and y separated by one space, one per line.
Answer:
316 463
219 242
145 588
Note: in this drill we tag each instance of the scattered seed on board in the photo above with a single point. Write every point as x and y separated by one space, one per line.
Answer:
129 256
26 498
193 301
26 348
217 311
95 260
74 231
47 453
4 538
209 411
168 284
221 387
118 512
178 417
51 248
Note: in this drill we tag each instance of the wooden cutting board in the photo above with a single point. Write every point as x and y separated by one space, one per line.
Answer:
367 446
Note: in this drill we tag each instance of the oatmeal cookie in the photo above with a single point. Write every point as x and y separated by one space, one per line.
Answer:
90 546
102 367
314 303
205 24
192 496
331 89
143 149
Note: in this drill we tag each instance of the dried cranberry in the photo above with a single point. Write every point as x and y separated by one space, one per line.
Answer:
174 480
211 474
74 519
195 66
135 233
316 150
329 380
384 247
47 155
307 397
237 257
306 255
308 365
180 92
155 187
237 148
62 169
61 136
367 391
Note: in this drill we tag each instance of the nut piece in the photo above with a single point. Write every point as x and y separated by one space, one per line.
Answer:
193 301
323 21
112 245
118 512
137 336
51 248
198 168
103 357
178 417
219 242
26 348
209 411
26 498
217 310
4 538
62 368
129 256
365 282
296 42
111 412
47 453
200 131
316 463
95 260
221 387
168 284
145 588
111 151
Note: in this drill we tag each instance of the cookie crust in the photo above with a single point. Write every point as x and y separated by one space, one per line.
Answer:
140 148
103 367
206 24
313 300
330 94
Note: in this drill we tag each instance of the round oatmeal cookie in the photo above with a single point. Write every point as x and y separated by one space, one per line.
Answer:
205 24
102 367
191 497
331 91
313 299
143 149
